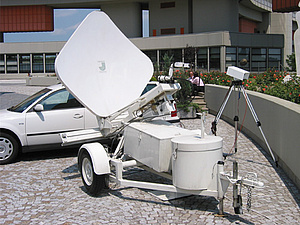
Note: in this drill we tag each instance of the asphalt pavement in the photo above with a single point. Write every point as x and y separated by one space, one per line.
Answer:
46 188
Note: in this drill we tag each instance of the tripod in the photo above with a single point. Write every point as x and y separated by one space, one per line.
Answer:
238 84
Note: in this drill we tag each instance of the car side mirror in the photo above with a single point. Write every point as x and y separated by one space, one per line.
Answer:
38 108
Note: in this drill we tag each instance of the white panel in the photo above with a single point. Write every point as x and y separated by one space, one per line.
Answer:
297 43
101 67
150 143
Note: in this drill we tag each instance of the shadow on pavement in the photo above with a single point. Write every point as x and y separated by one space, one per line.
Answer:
51 154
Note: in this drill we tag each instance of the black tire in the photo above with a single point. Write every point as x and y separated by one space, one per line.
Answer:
93 183
9 148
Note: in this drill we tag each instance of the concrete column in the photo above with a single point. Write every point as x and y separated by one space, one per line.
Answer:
281 23
223 58
208 63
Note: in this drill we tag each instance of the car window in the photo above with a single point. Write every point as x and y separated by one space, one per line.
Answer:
61 99
27 102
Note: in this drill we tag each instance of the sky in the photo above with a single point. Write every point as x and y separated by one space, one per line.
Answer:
65 23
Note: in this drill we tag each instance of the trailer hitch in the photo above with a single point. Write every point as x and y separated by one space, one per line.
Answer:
250 181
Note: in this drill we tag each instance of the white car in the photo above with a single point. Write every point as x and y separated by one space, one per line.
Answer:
35 123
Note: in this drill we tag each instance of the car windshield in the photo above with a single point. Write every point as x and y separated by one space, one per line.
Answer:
28 101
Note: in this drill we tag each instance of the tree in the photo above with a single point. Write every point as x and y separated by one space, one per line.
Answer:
167 60
291 61
189 54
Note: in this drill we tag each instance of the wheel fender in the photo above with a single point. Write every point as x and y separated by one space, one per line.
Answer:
98 156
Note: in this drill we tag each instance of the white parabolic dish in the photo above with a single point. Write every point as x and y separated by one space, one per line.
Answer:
101 67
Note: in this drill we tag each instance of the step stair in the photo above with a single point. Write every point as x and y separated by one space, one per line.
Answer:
199 99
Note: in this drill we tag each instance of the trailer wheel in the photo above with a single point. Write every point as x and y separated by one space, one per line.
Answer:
93 183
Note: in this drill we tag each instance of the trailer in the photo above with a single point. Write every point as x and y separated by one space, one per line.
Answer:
107 74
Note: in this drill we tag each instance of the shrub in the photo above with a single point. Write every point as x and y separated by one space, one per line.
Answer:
270 82
184 95
291 61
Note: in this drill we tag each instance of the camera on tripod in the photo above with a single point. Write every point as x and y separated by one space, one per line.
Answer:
237 73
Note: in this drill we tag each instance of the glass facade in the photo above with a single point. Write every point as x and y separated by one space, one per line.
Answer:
202 59
24 63
189 55
244 58
27 63
37 63
214 58
11 63
254 59
231 56
258 59
205 59
49 63
274 58
152 54
2 64
176 55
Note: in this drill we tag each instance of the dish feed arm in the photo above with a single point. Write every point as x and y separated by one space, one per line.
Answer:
156 100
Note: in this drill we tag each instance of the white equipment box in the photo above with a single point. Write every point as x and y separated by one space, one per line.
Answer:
150 143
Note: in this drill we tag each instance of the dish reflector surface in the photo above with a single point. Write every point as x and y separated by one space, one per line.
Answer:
101 67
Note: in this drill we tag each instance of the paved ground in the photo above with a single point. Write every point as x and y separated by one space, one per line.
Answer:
46 188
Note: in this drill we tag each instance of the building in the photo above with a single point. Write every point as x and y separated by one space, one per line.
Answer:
211 34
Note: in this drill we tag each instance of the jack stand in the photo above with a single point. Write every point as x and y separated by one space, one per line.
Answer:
236 120
221 208
237 198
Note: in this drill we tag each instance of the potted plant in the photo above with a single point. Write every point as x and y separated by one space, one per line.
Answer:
186 108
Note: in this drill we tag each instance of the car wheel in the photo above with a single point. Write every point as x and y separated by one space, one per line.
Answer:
93 183
9 148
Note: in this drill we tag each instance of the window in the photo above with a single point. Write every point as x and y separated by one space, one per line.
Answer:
2 65
168 56
152 54
165 5
214 58
167 31
231 56
60 100
49 60
145 22
244 58
24 62
27 102
37 63
274 58
177 54
202 59
12 63
189 55
258 58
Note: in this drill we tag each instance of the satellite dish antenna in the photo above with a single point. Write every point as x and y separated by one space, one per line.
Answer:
101 67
